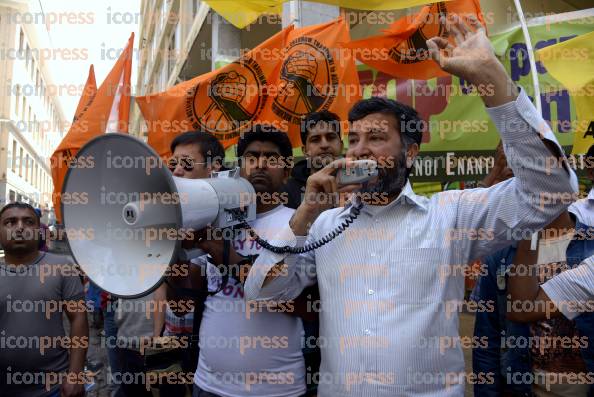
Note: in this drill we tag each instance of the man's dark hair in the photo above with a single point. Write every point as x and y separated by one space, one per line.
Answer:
210 147
409 122
265 133
312 119
21 205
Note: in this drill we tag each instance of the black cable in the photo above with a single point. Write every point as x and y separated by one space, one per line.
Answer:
355 211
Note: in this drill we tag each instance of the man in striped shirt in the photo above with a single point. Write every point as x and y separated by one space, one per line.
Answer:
392 284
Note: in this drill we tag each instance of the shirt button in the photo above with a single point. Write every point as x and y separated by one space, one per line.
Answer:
367 332
371 292
372 254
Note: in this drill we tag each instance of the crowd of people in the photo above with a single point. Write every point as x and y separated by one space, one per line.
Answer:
373 310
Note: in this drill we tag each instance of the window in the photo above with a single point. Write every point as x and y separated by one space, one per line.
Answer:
21 40
17 100
14 156
27 56
21 162
27 166
11 196
24 107
171 56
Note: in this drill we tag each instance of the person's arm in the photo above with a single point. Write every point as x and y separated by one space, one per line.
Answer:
572 291
191 276
569 293
160 305
543 185
281 277
72 294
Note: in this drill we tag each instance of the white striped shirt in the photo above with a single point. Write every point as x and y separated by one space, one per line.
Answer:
392 283
572 291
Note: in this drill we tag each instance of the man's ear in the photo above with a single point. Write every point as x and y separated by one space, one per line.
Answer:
304 151
411 154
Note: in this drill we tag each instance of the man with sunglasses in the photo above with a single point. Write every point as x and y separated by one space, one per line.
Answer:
195 155
244 350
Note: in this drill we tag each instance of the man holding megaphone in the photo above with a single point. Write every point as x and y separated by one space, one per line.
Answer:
387 280
249 349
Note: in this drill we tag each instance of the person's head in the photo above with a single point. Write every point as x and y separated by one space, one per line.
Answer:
388 132
590 163
320 138
19 229
266 158
195 155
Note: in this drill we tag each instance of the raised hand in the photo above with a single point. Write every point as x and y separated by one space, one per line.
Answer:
472 58
472 52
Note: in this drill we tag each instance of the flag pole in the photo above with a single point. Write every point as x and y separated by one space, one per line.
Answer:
531 57
534 72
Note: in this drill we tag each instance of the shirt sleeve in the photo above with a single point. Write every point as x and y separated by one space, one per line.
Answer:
298 273
572 291
542 187
72 287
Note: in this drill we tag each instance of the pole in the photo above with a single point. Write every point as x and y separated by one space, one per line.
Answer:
531 57
534 72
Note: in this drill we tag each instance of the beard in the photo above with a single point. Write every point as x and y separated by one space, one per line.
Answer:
390 180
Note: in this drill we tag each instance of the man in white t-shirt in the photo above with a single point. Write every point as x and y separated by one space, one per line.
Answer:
252 350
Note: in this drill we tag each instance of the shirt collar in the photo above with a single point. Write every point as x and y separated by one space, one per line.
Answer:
406 197
591 195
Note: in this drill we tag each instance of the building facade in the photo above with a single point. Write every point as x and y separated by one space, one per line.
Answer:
32 122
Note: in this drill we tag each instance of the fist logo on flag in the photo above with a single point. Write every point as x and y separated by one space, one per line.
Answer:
227 91
308 80
414 49
227 103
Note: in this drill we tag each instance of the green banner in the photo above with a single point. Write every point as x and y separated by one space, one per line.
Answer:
461 139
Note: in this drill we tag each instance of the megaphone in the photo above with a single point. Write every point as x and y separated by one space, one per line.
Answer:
134 213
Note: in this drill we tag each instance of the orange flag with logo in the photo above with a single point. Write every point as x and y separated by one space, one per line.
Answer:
224 102
402 50
317 73
108 111
87 96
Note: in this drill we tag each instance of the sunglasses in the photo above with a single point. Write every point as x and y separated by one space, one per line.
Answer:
187 163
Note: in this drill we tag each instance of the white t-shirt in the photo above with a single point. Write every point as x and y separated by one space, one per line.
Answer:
256 353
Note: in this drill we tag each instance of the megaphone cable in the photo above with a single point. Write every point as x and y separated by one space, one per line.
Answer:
355 211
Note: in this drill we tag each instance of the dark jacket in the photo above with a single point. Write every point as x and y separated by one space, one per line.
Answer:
295 186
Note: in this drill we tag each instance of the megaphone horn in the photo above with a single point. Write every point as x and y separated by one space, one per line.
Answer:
138 215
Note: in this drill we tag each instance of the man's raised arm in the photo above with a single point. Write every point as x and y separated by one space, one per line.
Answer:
543 185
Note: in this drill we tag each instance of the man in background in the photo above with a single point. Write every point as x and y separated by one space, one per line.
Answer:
321 144
50 283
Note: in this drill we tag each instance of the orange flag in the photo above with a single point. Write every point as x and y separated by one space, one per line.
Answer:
402 50
224 102
318 73
87 96
108 111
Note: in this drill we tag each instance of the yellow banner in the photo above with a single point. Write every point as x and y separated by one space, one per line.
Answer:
572 64
243 12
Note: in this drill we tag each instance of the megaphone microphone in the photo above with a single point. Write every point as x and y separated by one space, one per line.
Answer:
139 213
